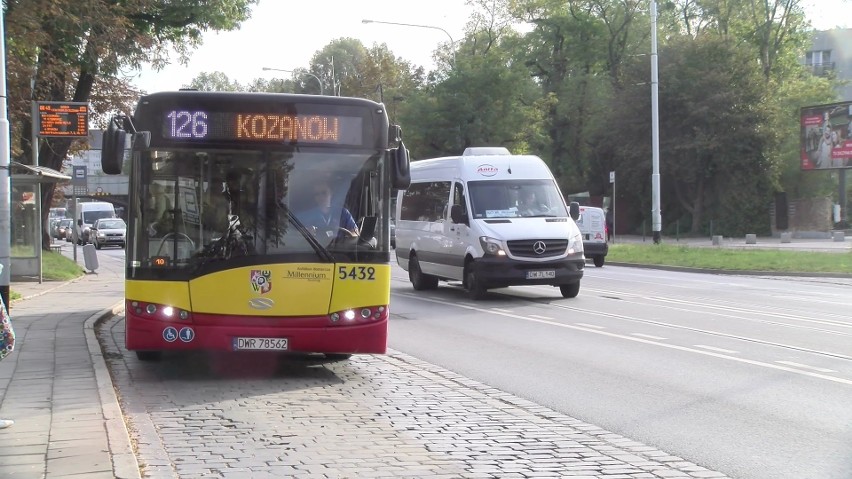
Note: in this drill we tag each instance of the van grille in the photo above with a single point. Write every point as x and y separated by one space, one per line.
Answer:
527 248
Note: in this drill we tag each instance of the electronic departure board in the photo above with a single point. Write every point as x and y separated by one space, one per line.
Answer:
69 119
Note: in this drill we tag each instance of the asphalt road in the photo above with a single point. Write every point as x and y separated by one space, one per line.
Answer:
749 376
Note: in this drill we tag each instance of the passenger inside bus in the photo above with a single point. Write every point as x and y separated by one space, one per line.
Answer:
159 211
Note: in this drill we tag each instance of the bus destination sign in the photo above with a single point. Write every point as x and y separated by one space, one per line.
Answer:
68 119
200 125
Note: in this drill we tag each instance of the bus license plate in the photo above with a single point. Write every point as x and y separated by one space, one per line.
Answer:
541 274
260 344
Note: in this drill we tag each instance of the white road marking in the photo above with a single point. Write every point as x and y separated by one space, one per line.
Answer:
649 336
699 330
848 382
539 316
501 310
595 326
713 348
805 366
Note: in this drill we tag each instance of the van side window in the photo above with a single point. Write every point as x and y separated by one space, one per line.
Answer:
425 201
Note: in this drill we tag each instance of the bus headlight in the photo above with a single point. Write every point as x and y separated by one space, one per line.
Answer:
365 314
159 312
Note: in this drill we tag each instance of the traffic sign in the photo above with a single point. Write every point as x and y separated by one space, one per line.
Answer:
80 173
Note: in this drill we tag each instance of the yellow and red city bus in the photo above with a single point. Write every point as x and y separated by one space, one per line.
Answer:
219 252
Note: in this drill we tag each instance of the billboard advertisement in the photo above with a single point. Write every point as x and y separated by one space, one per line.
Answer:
826 136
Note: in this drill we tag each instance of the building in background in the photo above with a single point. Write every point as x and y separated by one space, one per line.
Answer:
831 54
99 186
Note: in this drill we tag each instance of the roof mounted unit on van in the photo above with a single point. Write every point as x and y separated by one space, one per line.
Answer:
485 150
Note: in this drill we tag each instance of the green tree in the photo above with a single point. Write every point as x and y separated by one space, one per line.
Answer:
75 50
215 81
774 33
713 138
576 51
481 95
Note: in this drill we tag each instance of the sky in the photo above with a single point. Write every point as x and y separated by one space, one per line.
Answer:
285 34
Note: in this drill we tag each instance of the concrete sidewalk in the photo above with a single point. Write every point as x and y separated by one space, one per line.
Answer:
56 385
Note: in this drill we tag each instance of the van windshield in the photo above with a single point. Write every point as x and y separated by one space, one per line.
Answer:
516 198
89 217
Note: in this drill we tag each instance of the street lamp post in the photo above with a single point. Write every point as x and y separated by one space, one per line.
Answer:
452 42
656 216
297 72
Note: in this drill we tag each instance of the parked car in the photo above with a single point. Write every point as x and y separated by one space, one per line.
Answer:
108 232
63 225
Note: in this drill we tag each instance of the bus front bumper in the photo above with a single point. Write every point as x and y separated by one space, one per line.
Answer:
145 334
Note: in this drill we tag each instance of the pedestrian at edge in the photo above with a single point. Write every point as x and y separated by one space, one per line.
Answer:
7 342
609 225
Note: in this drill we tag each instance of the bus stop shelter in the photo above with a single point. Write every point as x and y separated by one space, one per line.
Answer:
25 217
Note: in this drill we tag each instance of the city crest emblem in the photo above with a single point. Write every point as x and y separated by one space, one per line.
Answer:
261 281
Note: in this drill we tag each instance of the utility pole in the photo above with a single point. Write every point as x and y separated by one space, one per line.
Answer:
5 187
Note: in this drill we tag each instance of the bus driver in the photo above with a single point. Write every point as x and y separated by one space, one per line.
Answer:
322 219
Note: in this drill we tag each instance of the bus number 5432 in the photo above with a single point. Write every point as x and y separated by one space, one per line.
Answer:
367 273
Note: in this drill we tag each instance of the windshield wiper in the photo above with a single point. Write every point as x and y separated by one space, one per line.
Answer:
321 250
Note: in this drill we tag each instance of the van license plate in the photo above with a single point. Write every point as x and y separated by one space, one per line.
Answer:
541 274
260 344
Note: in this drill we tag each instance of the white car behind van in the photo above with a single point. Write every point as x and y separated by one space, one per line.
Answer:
489 219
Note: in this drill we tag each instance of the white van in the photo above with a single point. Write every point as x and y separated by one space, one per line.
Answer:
466 218
86 215
592 224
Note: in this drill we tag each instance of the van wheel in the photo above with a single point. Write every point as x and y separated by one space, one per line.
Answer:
420 281
474 286
97 245
570 290
599 261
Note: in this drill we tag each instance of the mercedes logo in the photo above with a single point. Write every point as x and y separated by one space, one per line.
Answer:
539 247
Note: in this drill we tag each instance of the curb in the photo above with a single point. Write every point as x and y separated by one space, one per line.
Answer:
124 462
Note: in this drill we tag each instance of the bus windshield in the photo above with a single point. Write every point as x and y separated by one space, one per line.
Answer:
201 209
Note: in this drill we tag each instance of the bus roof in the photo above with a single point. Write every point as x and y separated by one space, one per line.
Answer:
252 97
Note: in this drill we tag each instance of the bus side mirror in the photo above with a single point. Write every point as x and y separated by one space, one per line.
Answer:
400 167
79 222
112 147
574 210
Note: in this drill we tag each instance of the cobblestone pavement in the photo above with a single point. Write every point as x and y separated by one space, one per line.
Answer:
260 416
